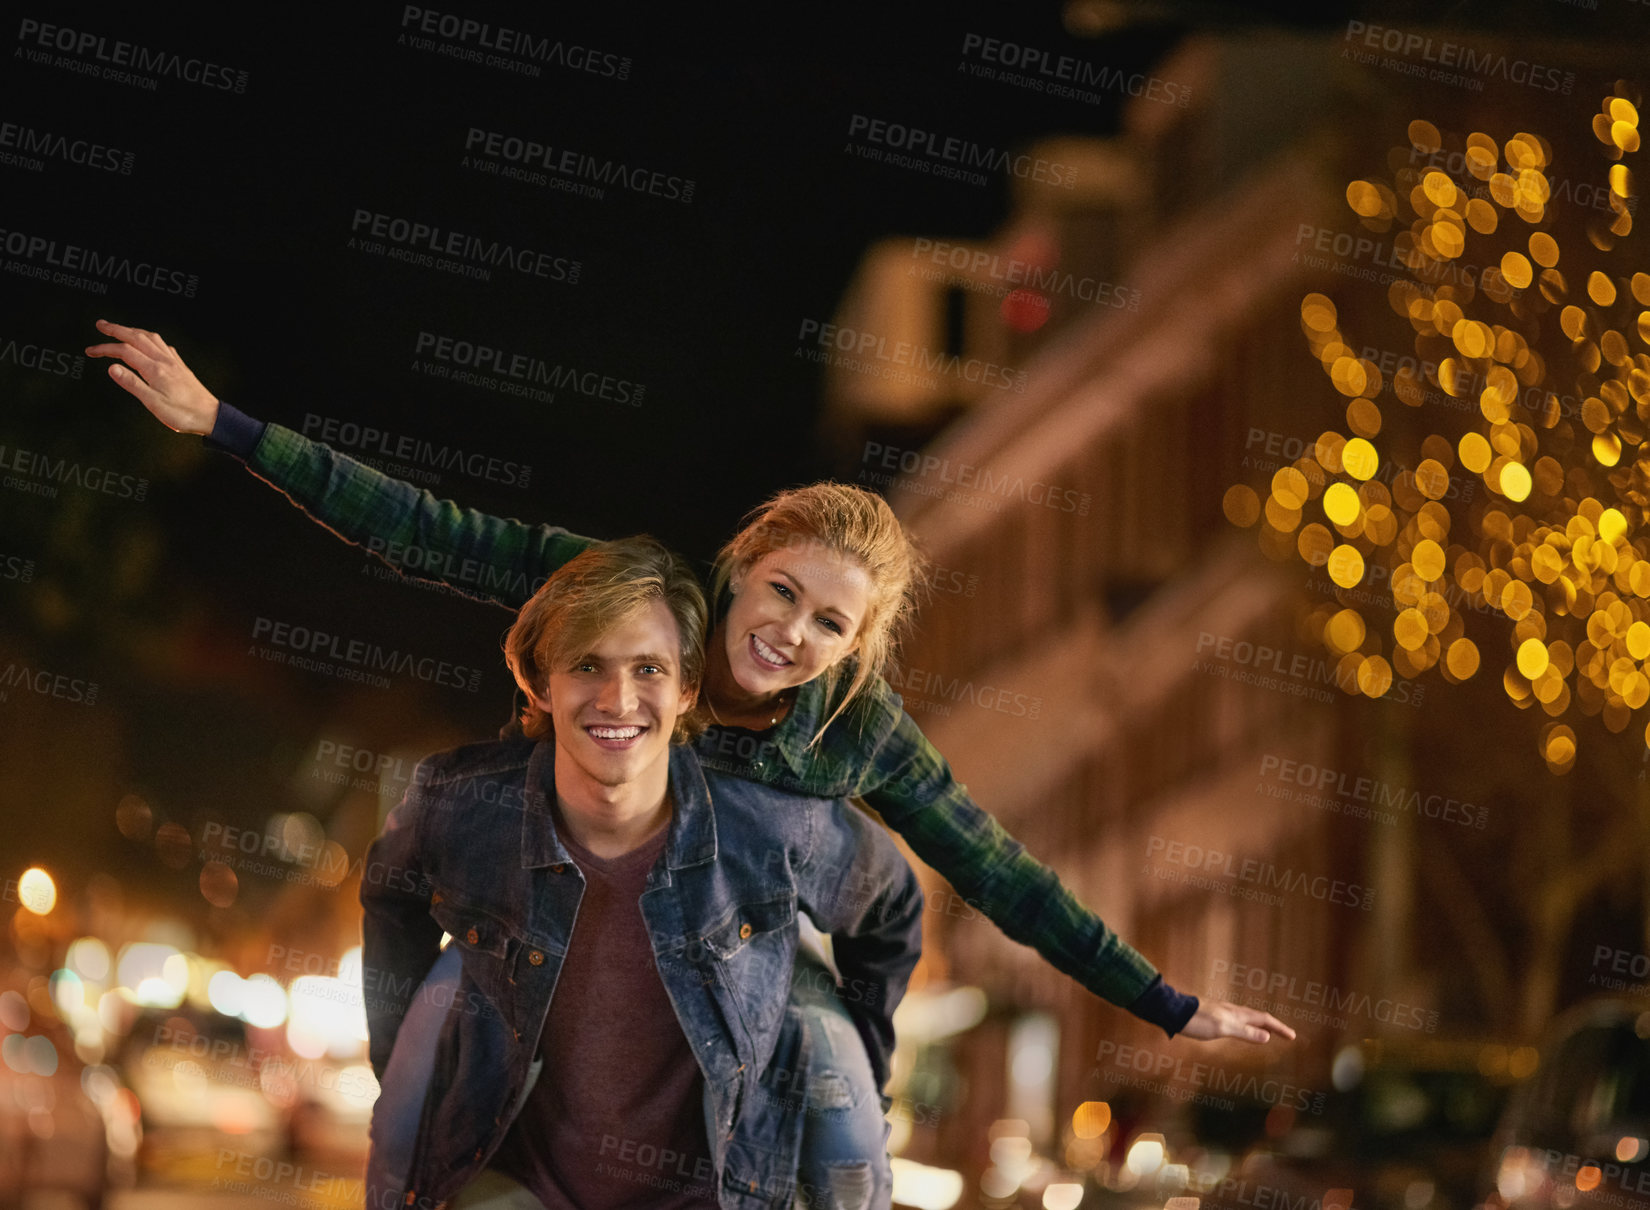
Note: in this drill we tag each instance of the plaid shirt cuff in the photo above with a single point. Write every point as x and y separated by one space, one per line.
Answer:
235 433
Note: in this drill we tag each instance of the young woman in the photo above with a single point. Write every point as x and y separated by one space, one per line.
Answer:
810 594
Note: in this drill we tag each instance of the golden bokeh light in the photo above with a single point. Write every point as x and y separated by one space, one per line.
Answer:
1502 498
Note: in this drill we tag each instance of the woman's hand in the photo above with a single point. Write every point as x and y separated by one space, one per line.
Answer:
155 374
1223 1019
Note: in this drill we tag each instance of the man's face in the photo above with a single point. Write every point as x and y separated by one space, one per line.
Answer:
614 706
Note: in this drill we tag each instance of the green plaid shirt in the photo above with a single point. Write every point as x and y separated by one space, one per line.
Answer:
874 751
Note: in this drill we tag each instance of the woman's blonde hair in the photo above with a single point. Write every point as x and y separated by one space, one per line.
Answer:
603 587
856 524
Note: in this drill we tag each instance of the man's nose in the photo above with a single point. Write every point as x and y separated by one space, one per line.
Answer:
618 695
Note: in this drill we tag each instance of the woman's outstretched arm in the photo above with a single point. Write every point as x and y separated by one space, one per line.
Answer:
911 786
496 559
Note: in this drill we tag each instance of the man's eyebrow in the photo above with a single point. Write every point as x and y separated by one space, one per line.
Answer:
644 657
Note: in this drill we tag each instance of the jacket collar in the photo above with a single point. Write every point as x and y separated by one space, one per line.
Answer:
692 836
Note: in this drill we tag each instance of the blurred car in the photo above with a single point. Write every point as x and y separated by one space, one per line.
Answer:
1405 1127
198 1079
60 1120
1577 1134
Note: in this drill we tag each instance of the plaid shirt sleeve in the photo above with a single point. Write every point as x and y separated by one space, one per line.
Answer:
911 786
489 558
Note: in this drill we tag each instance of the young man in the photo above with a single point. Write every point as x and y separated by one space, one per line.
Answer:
627 924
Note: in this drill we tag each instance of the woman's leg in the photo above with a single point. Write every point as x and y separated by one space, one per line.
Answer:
844 1160
400 1104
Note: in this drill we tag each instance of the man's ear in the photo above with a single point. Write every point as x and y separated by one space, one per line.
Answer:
542 701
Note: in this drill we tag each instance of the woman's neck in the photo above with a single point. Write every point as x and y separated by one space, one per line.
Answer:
729 701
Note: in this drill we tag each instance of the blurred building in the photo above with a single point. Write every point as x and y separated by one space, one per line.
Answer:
1118 673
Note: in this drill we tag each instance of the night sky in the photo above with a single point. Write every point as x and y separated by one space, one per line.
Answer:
250 195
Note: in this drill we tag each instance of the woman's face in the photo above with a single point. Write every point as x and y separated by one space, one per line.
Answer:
795 612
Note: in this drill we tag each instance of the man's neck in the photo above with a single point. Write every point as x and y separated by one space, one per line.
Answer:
610 821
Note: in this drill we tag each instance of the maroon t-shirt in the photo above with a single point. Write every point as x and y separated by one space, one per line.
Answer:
616 1118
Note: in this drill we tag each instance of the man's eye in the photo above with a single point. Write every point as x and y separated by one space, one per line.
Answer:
653 668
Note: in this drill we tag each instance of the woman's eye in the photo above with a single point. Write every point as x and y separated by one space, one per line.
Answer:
783 590
830 625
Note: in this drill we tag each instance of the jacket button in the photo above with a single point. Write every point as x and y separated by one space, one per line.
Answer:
518 1034
412 1196
479 1151
536 958
744 932
436 897
558 868
473 937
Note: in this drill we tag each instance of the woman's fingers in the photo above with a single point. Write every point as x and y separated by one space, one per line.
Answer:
1222 1019
152 372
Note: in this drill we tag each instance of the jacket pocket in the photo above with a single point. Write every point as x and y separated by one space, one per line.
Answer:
489 948
749 924
749 955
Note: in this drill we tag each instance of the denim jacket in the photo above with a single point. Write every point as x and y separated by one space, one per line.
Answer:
472 851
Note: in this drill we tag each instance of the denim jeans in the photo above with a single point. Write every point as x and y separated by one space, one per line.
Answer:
844 1159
